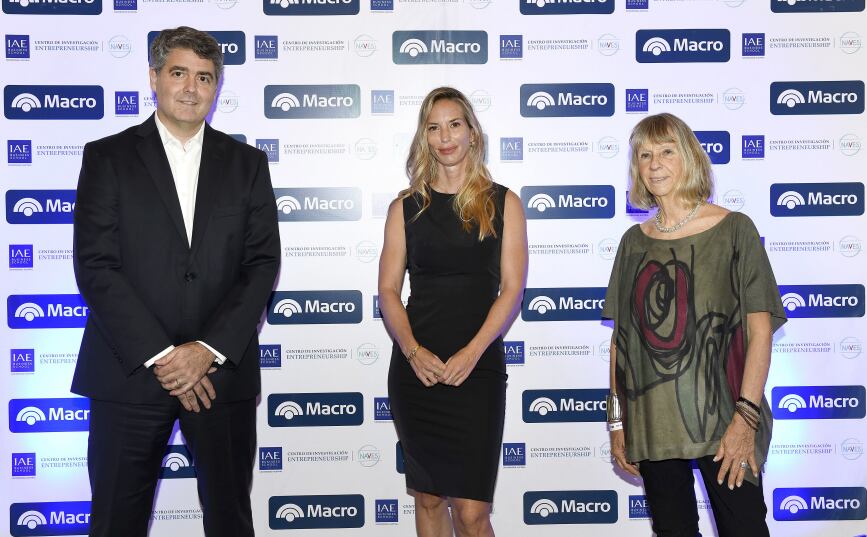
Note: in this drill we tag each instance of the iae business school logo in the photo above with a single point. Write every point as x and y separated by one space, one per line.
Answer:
40 206
310 7
573 201
823 301
49 518
816 6
52 7
559 406
563 304
315 512
680 46
434 46
53 102
566 7
315 409
820 503
49 415
315 307
312 101
46 311
817 199
818 402
817 97
570 507
567 100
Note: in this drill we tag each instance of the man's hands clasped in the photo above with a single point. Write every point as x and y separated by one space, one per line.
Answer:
183 372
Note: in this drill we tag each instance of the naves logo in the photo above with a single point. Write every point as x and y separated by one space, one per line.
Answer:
716 144
817 199
817 97
318 204
567 100
53 102
680 46
49 415
818 402
40 206
310 7
315 409
818 6
52 7
570 507
232 45
823 301
49 518
563 303
433 46
565 7
555 406
316 101
316 511
46 311
315 307
820 503
572 201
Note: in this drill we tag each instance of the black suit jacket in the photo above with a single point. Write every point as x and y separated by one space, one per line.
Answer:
146 287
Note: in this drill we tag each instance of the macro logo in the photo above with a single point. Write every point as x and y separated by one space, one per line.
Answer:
511 47
752 146
636 100
817 199
558 406
331 409
514 454
752 45
568 202
818 6
17 47
563 304
817 402
323 204
40 206
177 463
716 144
269 356
566 7
823 301
817 97
570 507
270 459
46 311
680 46
52 7
820 503
315 307
310 7
638 507
439 46
381 409
24 465
514 351
386 511
232 45
381 102
19 151
53 102
49 518
512 149
271 147
126 103
49 415
22 360
266 47
312 101
313 512
567 100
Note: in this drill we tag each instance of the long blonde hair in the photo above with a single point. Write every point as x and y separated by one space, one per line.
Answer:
474 202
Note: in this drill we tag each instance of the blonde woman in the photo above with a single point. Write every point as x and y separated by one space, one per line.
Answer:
462 238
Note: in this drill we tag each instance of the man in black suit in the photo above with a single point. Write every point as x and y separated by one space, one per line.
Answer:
176 252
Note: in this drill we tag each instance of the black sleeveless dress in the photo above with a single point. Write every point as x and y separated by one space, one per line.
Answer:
451 436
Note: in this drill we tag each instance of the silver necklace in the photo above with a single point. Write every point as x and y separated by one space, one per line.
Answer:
662 229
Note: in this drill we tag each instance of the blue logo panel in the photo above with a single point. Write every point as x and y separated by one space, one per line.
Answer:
315 307
682 46
49 518
817 199
638 507
823 301
49 415
312 101
48 7
567 202
46 311
818 402
514 351
177 463
386 511
820 503
816 6
563 406
753 146
310 7
316 511
325 204
567 100
717 145
271 459
315 409
24 465
22 360
381 409
563 303
817 97
514 454
40 206
435 46
570 507
566 7
53 102
269 356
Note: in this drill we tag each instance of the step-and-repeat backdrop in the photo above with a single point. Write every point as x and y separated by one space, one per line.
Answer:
330 90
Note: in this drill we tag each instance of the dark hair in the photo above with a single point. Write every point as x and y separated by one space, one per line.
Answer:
202 43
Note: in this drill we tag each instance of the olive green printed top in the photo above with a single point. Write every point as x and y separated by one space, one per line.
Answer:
680 308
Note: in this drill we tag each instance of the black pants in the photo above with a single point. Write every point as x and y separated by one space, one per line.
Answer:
669 486
124 456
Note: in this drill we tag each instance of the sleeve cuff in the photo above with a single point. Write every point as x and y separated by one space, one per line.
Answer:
219 358
165 351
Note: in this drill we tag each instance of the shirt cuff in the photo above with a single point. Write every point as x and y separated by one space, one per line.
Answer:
165 351
219 358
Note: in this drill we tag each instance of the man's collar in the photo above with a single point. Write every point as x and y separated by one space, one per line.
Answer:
168 137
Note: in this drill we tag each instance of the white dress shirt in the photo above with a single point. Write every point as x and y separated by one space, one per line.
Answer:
184 161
